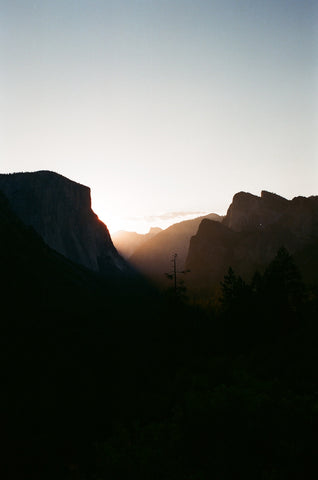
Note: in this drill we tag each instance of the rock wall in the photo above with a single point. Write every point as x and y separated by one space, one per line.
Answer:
248 212
60 211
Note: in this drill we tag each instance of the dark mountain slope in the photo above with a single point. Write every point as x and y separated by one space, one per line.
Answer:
250 236
153 258
60 211
37 282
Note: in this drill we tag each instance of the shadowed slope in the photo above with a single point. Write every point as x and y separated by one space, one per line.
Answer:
153 258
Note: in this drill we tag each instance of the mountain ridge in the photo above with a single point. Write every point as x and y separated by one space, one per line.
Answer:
250 235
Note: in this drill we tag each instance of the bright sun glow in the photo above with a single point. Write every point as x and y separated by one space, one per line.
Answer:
142 224
116 222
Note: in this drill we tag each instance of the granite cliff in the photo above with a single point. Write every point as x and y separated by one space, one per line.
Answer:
60 211
248 211
299 216
251 234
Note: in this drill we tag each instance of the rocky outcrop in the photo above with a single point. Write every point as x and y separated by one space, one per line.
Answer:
60 212
250 235
249 212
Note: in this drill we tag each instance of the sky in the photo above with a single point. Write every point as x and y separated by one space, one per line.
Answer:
162 106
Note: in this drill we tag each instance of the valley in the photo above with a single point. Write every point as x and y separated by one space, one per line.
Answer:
108 372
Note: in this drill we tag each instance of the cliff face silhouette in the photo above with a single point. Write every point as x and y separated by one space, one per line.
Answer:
39 284
250 235
60 212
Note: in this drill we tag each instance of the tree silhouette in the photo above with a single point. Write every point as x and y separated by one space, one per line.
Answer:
234 290
179 288
283 285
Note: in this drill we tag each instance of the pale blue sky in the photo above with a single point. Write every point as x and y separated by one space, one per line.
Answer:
161 105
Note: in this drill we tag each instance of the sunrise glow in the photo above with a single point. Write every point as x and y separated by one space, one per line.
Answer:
143 224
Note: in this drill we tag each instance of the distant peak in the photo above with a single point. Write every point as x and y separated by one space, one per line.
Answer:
154 230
